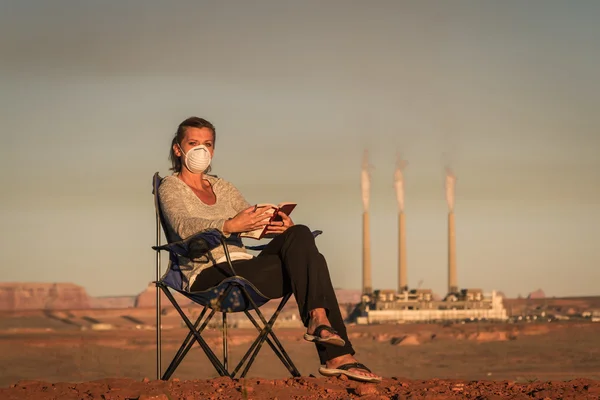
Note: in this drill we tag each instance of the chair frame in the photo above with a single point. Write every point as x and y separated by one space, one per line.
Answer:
265 330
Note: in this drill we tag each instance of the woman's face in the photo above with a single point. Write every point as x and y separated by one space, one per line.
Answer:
195 137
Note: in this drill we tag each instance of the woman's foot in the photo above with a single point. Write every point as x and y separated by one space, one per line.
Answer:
357 373
318 317
319 329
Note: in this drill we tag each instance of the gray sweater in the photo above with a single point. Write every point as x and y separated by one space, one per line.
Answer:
185 214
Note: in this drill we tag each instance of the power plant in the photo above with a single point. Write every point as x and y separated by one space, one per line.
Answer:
419 305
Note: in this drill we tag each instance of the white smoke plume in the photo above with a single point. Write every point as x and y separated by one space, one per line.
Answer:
450 183
365 181
399 181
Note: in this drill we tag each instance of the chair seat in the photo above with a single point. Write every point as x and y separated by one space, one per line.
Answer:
235 301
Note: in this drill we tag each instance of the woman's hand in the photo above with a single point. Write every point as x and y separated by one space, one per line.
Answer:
247 220
277 227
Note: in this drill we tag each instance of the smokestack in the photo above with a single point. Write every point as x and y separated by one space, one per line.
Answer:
399 185
366 277
452 273
452 281
365 188
402 273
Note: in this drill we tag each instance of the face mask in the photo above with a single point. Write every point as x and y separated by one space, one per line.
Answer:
197 159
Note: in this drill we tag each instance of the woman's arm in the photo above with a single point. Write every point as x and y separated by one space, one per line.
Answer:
236 199
237 202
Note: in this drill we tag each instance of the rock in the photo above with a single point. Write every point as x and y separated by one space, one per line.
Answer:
147 299
31 383
457 389
381 337
224 381
160 396
365 389
118 394
42 296
407 340
490 336
537 294
112 302
101 327
264 382
245 389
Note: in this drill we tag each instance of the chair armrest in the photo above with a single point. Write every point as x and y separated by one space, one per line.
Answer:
194 246
262 246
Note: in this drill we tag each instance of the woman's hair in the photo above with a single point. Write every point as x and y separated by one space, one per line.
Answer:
192 122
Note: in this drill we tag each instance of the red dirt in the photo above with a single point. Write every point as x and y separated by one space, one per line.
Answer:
43 351
300 388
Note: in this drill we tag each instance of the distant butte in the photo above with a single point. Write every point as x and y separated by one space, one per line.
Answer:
42 296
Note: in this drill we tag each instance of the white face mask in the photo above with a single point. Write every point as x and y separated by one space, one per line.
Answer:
197 159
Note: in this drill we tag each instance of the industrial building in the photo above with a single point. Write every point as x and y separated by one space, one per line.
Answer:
419 305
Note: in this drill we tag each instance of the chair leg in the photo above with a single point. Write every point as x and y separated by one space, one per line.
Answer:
207 350
293 370
268 331
264 335
186 345
257 345
277 348
225 340
158 321
224 315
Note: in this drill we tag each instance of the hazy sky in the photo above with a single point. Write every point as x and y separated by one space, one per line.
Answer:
507 92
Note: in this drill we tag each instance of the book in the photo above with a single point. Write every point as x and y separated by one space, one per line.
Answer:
260 233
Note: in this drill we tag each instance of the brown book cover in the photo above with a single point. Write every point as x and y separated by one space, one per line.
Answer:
286 208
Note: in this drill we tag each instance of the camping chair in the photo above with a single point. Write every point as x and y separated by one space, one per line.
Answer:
234 294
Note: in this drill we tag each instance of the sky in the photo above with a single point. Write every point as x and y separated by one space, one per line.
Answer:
506 93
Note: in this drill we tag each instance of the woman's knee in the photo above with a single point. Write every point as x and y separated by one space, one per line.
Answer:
300 230
300 238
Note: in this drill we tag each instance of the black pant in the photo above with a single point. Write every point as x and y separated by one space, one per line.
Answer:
290 262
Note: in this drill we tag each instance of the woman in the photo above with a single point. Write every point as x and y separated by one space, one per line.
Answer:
192 201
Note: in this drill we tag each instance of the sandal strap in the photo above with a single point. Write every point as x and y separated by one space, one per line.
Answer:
356 365
322 328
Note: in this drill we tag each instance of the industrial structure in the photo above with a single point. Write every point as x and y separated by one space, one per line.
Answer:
452 278
399 186
419 305
365 183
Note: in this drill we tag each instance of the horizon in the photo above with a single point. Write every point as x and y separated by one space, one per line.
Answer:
151 286
506 94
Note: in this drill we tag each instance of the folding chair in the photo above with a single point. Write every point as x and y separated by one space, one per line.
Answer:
234 294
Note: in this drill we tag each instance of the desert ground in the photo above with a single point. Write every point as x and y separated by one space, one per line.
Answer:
110 354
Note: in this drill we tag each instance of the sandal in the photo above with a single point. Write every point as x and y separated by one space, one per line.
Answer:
332 340
343 370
